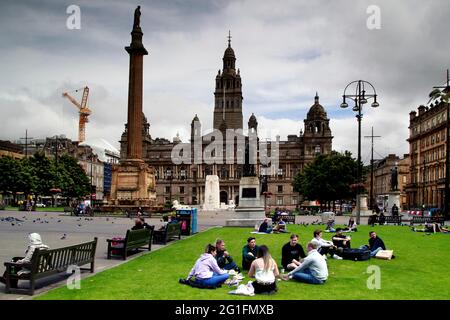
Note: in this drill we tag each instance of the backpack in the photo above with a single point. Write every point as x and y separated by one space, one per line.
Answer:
356 254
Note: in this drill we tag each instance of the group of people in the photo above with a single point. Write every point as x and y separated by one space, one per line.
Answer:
311 267
431 227
280 226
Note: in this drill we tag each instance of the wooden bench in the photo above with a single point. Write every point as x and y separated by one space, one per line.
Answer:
393 219
171 230
422 220
45 263
290 218
134 239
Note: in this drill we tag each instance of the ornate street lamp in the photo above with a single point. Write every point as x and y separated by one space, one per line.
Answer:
360 98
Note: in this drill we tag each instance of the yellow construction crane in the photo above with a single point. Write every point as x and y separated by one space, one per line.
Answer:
83 110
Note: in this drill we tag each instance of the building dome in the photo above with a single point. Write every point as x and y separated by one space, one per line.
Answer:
317 111
229 52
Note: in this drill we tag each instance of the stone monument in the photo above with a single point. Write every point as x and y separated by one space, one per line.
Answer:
250 210
212 193
133 181
363 209
394 193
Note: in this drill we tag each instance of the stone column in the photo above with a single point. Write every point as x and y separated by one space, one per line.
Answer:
136 51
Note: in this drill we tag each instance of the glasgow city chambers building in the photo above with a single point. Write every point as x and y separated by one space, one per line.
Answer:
185 182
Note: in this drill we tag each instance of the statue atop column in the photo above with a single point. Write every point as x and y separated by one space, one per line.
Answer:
394 179
137 18
249 169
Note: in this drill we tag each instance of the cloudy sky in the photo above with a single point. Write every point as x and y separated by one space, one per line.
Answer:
286 51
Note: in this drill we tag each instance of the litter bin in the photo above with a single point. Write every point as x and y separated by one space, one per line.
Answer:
188 219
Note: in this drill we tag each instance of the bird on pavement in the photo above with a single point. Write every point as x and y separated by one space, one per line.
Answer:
63 237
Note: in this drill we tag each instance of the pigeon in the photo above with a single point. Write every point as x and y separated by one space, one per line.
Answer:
59 220
63 237
12 223
79 225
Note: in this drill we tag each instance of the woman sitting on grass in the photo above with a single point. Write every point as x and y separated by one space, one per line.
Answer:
206 271
265 270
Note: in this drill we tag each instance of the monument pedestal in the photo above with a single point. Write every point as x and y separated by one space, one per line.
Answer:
250 210
212 193
133 184
393 198
364 210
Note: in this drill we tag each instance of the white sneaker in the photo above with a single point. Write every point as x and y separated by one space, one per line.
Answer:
335 256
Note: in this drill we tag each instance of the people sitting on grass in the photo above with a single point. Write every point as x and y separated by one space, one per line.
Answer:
340 240
330 225
249 253
375 244
224 259
280 226
264 227
139 223
351 226
34 242
206 271
432 227
325 246
313 269
265 271
292 253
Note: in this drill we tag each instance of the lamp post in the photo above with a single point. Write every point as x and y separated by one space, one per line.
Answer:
360 98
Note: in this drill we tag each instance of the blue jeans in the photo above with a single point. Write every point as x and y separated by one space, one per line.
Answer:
215 280
372 253
306 277
229 266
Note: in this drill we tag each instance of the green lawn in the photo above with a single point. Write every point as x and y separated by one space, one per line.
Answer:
420 270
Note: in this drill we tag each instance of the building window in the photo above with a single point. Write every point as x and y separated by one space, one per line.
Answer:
317 149
294 201
280 171
167 189
280 188
182 200
194 190
183 174
279 201
181 190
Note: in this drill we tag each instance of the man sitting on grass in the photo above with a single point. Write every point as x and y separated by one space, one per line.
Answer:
375 244
324 246
340 240
291 254
224 260
249 253
312 270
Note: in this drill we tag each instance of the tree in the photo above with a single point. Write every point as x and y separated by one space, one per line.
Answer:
328 178
72 180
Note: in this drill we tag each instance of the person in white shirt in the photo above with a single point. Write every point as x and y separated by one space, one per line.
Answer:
313 269
265 271
325 246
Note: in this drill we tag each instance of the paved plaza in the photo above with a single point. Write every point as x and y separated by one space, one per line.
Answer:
53 225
